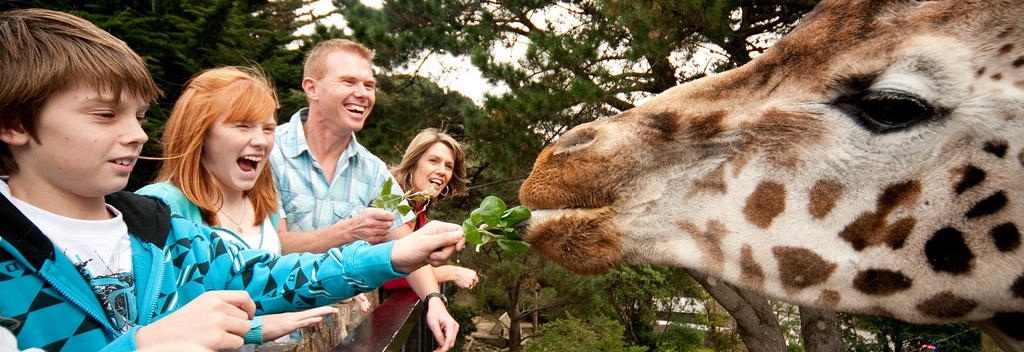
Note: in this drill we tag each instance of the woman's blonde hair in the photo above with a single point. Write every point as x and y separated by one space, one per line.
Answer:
239 94
457 186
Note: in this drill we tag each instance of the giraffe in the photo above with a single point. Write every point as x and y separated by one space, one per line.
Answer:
872 161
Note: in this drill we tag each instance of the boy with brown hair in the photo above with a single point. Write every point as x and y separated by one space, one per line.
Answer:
85 267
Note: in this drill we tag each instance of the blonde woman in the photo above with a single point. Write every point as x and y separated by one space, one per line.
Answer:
434 162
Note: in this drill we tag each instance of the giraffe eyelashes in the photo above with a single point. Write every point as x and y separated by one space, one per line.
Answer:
887 110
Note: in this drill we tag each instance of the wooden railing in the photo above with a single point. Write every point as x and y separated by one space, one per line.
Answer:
394 326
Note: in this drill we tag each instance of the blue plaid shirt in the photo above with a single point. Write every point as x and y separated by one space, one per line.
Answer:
307 200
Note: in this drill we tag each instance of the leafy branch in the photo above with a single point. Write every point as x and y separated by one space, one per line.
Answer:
492 221
393 202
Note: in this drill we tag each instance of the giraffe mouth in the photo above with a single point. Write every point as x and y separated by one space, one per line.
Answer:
584 240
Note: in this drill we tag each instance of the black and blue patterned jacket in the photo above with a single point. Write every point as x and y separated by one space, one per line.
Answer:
174 261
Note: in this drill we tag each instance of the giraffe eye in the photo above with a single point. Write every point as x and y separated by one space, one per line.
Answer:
887 110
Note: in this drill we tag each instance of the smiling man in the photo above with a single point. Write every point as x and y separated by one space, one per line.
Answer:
327 180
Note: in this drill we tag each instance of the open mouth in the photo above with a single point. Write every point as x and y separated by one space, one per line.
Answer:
355 109
249 163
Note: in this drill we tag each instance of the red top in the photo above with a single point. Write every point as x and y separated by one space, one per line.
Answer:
417 223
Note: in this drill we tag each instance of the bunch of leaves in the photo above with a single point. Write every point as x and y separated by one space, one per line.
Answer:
492 221
393 202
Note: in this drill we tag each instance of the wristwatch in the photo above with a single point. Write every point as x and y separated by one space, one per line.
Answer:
444 300
255 335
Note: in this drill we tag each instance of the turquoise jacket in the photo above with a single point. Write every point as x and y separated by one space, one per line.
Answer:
175 260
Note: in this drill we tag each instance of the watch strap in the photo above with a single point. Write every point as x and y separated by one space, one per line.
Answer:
444 300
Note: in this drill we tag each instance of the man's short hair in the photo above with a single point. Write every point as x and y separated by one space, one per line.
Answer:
43 52
316 67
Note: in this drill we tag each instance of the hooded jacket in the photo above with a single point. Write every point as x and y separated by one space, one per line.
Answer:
174 261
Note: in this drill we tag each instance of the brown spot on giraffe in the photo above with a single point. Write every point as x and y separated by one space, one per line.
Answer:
765 203
713 183
970 176
750 271
997 76
1018 62
1005 33
824 195
1005 49
947 252
778 135
997 148
872 228
981 71
800 267
988 206
881 282
1006 237
829 298
710 241
1017 289
705 126
946 305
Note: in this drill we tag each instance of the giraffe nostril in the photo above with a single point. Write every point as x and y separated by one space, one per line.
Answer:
575 140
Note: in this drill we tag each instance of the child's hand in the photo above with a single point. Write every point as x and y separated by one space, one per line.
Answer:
441 324
361 300
277 325
464 278
216 320
433 244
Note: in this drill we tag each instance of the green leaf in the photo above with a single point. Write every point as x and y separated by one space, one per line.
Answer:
472 234
516 215
403 209
491 209
512 234
476 216
512 245
386 188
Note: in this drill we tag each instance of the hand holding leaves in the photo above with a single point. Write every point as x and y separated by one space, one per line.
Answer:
493 221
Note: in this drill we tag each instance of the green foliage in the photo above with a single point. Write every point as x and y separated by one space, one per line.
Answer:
571 334
493 221
957 337
393 202
679 338
179 38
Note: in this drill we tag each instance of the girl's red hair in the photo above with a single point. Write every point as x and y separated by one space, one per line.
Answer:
238 94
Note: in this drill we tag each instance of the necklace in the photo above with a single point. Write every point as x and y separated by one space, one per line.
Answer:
238 224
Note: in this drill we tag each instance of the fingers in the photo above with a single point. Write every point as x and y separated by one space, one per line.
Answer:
436 328
451 330
238 299
231 341
379 215
436 227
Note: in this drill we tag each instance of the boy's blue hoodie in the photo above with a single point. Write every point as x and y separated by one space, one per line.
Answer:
174 261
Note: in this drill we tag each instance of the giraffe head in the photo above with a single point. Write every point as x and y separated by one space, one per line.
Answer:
871 161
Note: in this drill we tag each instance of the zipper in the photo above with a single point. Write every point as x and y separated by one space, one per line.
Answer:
158 285
57 285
